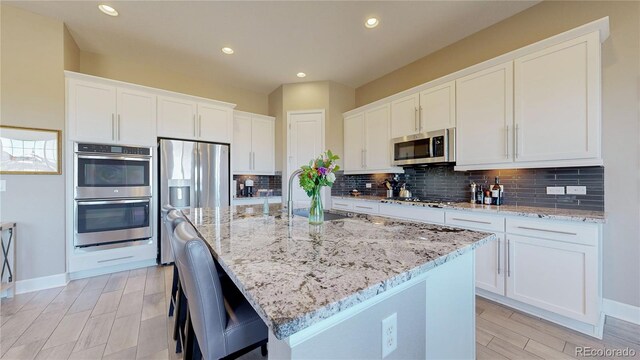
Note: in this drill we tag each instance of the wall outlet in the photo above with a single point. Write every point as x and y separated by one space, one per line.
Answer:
389 334
368 185
577 190
555 190
3 185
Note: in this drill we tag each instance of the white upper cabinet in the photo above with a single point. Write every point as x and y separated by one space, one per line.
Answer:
176 118
253 146
367 142
215 123
557 112
92 111
438 107
102 113
404 116
136 119
353 157
484 107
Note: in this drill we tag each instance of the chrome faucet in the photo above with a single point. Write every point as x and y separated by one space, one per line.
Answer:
289 199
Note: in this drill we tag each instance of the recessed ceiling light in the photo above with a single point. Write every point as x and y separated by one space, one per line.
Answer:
371 23
227 50
108 10
301 74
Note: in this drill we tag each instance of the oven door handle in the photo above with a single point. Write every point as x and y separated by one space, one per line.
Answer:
102 157
106 202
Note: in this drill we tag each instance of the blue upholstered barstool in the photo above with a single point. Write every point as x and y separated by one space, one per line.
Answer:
224 324
178 300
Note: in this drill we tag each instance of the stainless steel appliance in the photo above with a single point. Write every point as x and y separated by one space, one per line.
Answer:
105 171
112 191
426 148
192 174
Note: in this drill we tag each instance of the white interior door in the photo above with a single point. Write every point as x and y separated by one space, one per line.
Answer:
306 142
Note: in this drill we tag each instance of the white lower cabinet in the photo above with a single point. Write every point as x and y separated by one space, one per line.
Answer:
490 266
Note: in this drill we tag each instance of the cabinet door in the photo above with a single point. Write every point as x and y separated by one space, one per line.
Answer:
438 107
490 270
242 153
557 102
263 144
136 119
377 148
176 118
354 142
92 111
484 108
214 123
404 116
553 275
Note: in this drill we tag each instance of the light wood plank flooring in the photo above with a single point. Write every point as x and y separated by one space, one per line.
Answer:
124 316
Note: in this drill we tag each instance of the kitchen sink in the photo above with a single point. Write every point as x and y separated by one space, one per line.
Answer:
328 216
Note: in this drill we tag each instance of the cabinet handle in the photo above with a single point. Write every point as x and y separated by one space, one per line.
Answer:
506 141
113 126
362 158
499 256
200 125
118 127
254 160
364 207
547 230
250 166
195 126
472 221
340 204
508 258
420 119
415 119
365 158
517 140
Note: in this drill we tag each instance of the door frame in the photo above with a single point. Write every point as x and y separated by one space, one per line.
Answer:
288 167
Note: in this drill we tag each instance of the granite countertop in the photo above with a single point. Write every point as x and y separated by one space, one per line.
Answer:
295 274
588 216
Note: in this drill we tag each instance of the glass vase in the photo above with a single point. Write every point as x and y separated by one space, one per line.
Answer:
316 211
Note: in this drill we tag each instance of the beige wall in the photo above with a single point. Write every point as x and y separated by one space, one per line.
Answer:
148 74
32 89
620 114
71 52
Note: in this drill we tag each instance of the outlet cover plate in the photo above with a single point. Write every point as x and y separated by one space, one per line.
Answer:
368 185
577 190
555 190
389 334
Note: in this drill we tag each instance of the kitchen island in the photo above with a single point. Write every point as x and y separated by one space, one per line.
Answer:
325 292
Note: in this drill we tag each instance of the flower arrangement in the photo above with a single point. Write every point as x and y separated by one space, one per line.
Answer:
320 172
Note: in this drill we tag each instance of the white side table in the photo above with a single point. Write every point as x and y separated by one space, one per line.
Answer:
8 276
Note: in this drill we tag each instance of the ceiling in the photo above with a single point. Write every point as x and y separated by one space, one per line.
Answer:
275 40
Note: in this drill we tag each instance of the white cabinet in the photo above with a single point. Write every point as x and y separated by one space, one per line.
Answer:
431 109
557 97
484 108
404 116
184 119
490 267
253 144
438 107
367 142
98 112
556 276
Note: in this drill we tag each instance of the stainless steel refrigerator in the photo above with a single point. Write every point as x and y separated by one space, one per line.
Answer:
192 174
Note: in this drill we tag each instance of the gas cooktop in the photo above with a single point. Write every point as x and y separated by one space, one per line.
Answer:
431 202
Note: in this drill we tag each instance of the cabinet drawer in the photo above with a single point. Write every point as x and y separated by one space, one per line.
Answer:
366 207
586 234
475 221
341 204
434 216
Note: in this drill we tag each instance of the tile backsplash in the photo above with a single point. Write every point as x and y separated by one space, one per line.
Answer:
525 187
273 182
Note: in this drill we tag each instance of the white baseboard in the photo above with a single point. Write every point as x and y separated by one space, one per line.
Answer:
41 283
111 269
621 311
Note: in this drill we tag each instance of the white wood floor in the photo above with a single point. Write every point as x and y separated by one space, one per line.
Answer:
124 316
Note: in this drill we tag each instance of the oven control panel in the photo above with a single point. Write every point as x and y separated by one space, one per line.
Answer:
113 149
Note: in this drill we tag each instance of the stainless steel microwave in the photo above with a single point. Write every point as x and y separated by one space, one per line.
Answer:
426 148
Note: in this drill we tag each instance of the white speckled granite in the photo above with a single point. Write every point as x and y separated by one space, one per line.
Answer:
295 274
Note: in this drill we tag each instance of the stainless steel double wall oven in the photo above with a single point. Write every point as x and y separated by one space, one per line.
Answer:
112 192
